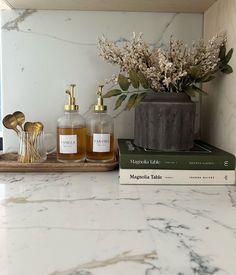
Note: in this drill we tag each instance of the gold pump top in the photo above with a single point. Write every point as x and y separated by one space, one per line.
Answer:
99 107
71 106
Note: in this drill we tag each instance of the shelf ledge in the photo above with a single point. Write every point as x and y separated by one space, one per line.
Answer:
185 6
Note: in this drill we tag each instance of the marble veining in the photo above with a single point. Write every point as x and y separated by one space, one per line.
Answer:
232 197
196 224
87 224
14 24
158 42
124 257
58 38
198 264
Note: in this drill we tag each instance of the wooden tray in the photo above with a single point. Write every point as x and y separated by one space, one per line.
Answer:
8 163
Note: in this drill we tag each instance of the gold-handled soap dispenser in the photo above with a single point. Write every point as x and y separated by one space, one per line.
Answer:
100 132
71 131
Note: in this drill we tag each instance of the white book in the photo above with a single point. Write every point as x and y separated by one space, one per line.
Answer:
176 177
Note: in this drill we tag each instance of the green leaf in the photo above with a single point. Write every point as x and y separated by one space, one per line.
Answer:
131 102
217 68
195 72
207 78
139 98
228 56
190 91
134 79
198 90
123 82
227 69
222 52
172 87
143 81
111 93
119 101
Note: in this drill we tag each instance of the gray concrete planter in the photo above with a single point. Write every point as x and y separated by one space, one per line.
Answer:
165 122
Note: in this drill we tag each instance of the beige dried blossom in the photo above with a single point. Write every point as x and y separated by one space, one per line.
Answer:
169 69
205 55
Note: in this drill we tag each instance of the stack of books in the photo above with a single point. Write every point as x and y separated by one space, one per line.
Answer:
204 164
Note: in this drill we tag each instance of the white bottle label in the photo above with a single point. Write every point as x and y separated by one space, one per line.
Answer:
68 144
101 142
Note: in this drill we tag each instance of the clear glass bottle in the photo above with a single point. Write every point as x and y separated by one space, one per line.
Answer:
100 133
71 132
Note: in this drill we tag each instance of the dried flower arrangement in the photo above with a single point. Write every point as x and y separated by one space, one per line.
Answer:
177 68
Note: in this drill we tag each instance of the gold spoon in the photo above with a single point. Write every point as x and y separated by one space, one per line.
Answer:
29 127
33 127
38 126
20 117
10 122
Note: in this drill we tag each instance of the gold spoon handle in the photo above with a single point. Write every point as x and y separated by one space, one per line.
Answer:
17 131
21 127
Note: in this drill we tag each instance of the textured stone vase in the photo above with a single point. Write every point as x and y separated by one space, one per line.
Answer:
165 122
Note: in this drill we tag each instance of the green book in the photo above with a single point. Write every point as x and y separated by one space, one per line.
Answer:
202 156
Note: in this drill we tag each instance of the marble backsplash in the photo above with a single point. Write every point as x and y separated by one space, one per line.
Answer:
44 51
219 107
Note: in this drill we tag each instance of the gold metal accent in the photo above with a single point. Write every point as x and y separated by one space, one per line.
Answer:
30 150
10 122
99 107
33 127
28 133
20 117
71 106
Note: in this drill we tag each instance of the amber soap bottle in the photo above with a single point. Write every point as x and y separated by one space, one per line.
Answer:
71 132
100 133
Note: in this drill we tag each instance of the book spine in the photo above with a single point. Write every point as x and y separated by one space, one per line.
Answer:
192 162
176 177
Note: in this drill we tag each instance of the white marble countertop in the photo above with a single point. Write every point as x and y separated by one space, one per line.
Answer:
86 224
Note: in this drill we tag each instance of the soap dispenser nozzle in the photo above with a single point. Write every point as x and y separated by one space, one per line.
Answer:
99 107
71 106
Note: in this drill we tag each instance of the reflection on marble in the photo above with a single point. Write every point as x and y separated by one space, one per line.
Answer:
87 224
219 108
47 50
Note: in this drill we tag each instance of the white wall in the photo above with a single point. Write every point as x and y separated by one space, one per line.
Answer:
44 51
219 108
